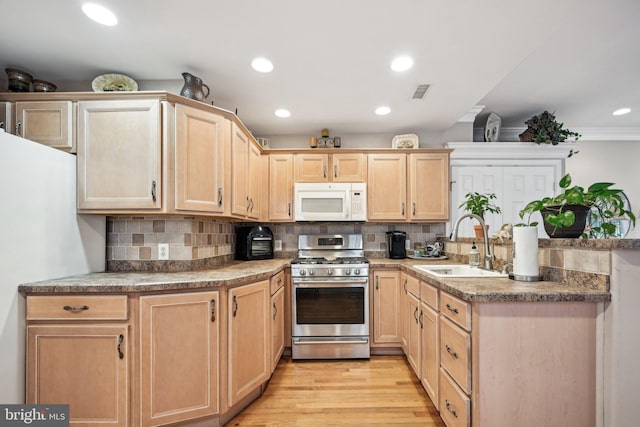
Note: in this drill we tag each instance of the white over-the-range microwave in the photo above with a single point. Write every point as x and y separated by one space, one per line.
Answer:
330 201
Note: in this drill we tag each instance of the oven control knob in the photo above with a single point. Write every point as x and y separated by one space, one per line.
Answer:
357 272
311 272
347 271
303 272
329 271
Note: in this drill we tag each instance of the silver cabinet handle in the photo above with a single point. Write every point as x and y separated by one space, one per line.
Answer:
213 310
451 352
377 284
1 125
220 196
18 128
335 171
448 405
248 204
415 315
275 310
153 191
414 208
402 208
421 324
289 205
324 171
452 309
75 308
235 306
120 353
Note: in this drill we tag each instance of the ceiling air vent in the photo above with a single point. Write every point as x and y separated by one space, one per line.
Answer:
420 91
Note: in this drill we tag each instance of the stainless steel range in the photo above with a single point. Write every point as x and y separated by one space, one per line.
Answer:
330 298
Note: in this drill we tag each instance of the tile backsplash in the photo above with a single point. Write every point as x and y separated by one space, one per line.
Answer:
196 242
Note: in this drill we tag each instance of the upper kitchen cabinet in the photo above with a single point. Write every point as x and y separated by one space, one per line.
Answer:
50 123
119 155
246 168
334 167
387 187
281 187
428 186
6 116
201 141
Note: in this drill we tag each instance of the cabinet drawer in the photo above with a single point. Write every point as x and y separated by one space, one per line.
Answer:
455 406
77 307
412 284
277 282
455 353
456 310
429 295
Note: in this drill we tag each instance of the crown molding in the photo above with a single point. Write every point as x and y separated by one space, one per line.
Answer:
510 150
588 134
470 116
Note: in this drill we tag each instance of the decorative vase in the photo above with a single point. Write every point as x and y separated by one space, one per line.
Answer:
527 136
194 87
479 231
572 232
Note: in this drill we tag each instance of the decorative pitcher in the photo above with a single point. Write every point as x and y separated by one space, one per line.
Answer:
193 87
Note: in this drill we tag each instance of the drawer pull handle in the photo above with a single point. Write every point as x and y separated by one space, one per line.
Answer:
451 410
415 314
451 352
76 309
421 324
153 191
235 306
220 196
452 309
275 310
213 310
120 353
18 129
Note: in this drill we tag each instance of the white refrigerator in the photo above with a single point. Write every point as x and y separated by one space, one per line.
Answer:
41 238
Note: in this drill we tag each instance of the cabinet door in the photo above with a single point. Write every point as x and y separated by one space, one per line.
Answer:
239 171
280 187
119 155
248 339
84 366
311 167
386 307
47 122
430 354
277 327
429 187
6 116
386 187
254 184
413 338
179 344
349 167
466 179
199 156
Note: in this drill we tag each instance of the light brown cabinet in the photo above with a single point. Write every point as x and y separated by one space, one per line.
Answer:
277 318
428 182
78 354
179 353
386 308
6 116
430 341
50 123
248 339
200 143
119 155
334 167
387 187
246 167
281 187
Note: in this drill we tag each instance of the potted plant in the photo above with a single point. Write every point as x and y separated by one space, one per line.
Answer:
479 203
544 129
565 215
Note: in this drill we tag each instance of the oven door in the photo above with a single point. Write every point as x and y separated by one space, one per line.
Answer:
330 307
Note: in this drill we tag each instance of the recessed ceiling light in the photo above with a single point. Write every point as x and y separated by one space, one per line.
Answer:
622 111
383 110
100 14
282 113
262 65
402 63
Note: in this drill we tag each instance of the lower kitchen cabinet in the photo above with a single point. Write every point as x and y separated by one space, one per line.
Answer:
179 353
83 365
430 350
386 307
248 339
277 318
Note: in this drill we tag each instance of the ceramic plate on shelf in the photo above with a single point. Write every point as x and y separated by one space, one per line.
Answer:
409 140
492 128
114 83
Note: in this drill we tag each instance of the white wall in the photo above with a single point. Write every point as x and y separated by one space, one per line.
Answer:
41 238
602 161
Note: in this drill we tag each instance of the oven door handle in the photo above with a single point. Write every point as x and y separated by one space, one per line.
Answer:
328 283
299 341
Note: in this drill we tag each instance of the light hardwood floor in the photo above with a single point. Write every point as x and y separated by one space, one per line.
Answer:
381 391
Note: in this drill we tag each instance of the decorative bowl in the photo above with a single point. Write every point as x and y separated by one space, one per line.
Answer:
19 81
43 86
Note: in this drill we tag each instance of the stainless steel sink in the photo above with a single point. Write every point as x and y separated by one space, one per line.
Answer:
458 270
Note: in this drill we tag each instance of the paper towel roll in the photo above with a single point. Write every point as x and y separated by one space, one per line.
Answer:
525 250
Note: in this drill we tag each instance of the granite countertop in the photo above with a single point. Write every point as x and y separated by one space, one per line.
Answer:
244 272
496 289
236 273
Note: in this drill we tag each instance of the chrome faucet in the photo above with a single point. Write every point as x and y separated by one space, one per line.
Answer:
487 253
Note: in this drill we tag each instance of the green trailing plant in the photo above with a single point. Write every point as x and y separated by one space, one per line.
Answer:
479 203
544 129
607 205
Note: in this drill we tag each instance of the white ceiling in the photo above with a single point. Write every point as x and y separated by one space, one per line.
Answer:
579 58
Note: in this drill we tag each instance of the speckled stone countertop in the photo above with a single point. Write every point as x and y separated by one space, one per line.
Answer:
496 289
244 272
237 273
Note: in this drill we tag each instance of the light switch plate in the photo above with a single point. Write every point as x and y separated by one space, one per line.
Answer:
277 245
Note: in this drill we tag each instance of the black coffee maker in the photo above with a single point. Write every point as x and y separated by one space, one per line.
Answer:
396 241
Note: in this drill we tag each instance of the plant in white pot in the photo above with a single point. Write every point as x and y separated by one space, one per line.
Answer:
479 203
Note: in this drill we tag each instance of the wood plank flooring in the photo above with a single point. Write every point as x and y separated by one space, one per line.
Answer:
381 391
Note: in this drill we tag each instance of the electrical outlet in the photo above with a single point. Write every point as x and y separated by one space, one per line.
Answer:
163 251
277 245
